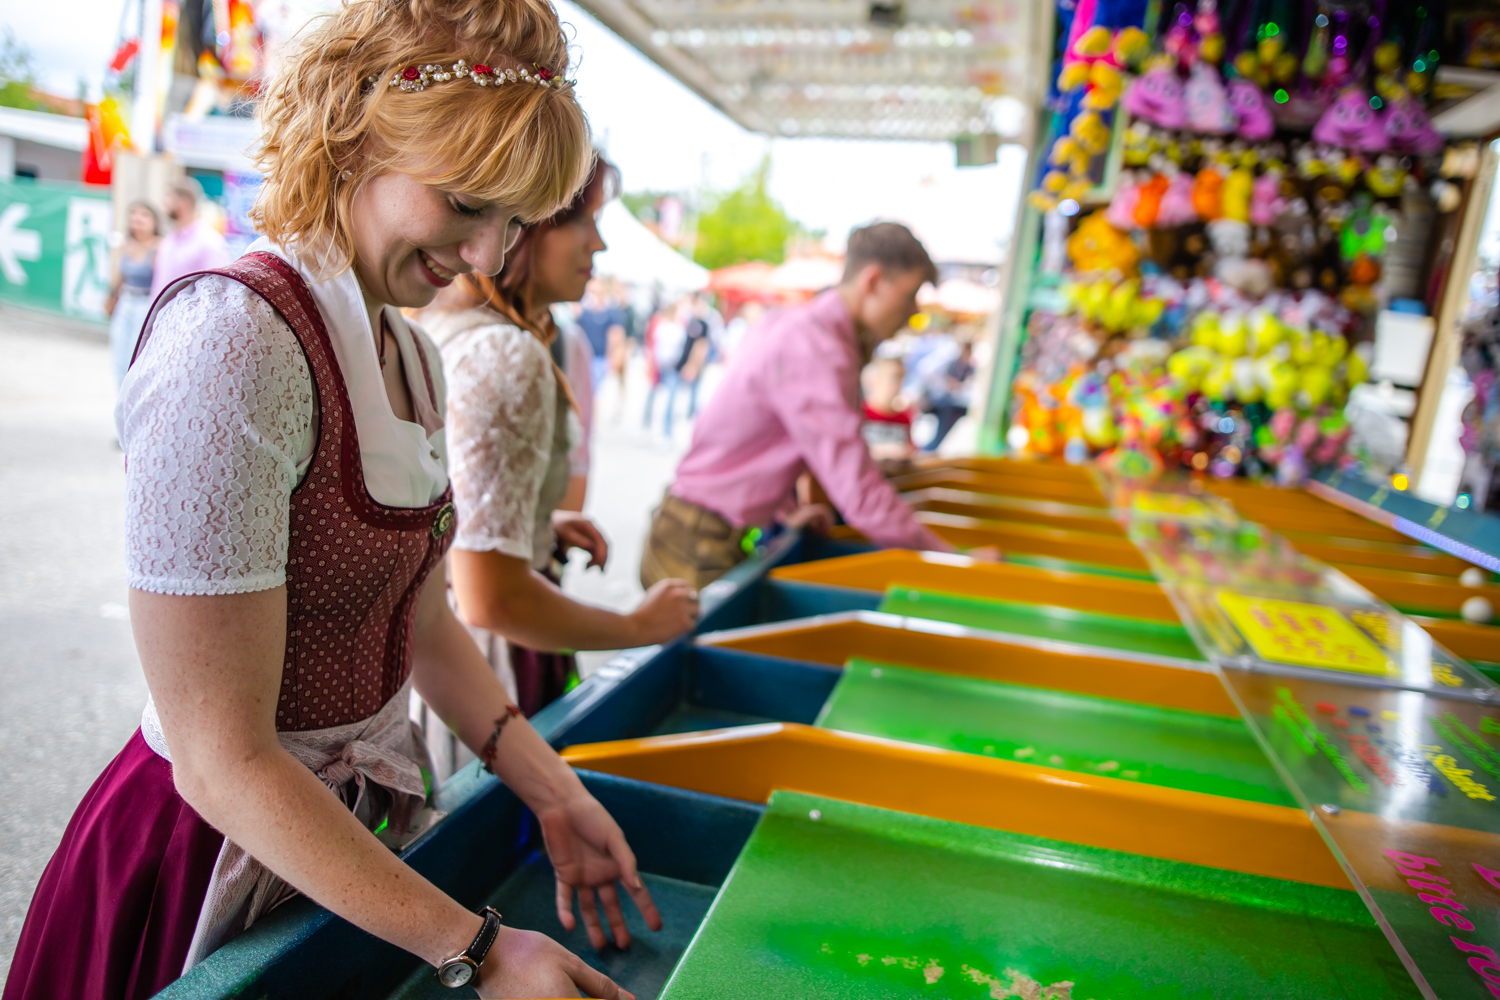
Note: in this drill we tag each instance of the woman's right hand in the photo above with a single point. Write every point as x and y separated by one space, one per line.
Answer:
670 609
528 964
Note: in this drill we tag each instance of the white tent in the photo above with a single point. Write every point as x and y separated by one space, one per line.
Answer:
637 256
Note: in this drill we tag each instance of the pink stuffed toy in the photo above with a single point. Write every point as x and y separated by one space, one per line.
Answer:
1408 130
1156 96
1249 102
1266 202
1177 202
1349 122
1207 105
1121 210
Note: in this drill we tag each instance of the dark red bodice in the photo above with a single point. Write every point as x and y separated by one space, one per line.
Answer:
355 567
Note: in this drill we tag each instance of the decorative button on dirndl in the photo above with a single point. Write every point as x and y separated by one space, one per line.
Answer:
443 521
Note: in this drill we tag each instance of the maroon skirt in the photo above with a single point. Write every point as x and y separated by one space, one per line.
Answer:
541 678
114 914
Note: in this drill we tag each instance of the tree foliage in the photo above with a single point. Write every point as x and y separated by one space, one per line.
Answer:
745 224
17 75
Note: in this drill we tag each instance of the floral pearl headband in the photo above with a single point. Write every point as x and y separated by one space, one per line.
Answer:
421 77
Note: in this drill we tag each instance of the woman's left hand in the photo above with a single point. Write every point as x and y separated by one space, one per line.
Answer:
589 854
575 531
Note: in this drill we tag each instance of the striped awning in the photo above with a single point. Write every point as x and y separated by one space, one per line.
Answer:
923 69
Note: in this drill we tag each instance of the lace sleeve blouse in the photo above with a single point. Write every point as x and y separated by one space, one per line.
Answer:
508 435
218 419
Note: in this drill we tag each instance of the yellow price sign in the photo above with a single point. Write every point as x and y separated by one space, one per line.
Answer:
1172 505
1308 635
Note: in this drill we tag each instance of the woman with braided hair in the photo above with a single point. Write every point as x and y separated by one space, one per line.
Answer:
288 515
511 428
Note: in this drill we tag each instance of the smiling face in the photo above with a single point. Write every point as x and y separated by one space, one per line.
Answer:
564 261
411 239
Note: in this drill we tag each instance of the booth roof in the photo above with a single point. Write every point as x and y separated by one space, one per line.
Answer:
923 69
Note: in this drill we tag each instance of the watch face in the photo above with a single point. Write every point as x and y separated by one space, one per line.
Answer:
455 972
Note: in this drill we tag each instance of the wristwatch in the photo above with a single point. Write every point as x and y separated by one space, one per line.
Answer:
461 969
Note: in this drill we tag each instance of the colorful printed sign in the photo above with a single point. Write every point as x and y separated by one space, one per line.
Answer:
1307 635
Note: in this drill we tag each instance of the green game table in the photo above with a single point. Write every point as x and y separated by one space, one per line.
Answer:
831 899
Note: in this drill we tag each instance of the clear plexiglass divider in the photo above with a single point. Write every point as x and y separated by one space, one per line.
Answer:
1390 742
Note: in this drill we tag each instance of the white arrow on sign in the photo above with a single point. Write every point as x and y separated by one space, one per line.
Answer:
17 244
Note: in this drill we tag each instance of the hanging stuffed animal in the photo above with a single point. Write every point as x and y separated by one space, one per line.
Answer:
1177 201
1149 205
1121 210
1407 129
1156 96
1207 105
1349 122
1249 104
1266 202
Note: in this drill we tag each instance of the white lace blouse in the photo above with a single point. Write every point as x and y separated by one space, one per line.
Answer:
509 434
218 420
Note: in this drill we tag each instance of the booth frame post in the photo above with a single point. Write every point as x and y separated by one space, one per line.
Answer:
1455 299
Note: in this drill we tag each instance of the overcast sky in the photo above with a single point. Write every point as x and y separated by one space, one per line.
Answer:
664 137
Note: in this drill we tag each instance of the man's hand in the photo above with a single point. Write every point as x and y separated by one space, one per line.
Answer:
575 531
589 855
814 517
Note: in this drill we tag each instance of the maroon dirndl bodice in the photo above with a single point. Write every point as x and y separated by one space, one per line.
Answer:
115 911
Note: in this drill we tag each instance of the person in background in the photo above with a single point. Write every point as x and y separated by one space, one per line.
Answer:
887 415
513 425
598 320
192 245
736 329
666 340
949 401
790 404
130 296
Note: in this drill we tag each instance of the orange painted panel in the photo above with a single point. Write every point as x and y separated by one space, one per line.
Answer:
750 762
1014 511
1083 494
1469 640
1416 590
1035 539
836 642
950 574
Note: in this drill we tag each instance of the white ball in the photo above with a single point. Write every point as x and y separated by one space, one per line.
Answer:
1473 577
1477 609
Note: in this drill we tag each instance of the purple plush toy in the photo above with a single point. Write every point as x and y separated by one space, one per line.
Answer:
1207 105
1350 122
1408 130
1249 102
1156 96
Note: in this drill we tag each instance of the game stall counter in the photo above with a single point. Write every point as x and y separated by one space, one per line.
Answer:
834 790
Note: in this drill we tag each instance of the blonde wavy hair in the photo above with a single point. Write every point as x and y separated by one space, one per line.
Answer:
330 120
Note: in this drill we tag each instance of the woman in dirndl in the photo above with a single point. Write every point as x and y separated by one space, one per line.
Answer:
288 514
513 426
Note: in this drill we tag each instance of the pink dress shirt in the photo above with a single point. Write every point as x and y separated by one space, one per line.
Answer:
195 247
788 403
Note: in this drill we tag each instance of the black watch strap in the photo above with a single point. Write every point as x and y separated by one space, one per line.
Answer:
485 939
462 968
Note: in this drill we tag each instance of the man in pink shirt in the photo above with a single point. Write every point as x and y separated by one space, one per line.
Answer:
192 245
789 404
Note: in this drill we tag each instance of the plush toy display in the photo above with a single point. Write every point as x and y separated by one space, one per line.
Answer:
1209 309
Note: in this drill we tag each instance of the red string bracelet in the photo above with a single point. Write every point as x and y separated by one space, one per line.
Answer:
487 755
